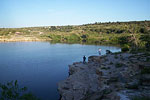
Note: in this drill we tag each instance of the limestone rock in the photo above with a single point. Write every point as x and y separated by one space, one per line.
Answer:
99 80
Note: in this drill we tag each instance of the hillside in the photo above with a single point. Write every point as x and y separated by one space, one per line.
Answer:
96 33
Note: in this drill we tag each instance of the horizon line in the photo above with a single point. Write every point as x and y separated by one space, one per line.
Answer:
76 24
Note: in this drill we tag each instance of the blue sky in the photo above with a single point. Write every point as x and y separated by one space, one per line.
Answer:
27 13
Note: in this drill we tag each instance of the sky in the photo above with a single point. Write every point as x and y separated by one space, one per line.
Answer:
30 13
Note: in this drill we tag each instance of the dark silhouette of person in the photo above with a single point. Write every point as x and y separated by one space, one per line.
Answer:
84 58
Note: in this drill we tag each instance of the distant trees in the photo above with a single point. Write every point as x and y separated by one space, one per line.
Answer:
53 28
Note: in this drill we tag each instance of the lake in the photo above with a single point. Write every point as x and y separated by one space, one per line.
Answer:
41 65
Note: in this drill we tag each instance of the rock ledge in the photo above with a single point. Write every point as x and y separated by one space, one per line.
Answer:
118 76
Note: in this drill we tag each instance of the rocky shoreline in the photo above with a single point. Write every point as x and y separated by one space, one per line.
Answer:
117 76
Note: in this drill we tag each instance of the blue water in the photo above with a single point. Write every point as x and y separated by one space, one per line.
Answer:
41 65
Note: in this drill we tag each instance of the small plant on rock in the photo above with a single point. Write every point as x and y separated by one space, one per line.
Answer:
118 65
116 57
111 63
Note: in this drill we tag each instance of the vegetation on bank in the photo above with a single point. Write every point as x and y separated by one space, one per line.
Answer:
127 34
12 91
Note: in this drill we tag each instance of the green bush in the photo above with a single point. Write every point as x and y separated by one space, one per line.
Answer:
123 40
74 37
12 91
125 48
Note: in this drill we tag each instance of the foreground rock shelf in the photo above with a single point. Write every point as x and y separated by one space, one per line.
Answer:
117 76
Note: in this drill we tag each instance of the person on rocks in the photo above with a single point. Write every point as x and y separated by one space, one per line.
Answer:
84 58
99 51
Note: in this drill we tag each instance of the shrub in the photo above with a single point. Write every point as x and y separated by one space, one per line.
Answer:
123 40
12 91
118 65
125 48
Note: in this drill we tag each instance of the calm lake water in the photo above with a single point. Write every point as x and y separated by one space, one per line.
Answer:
41 65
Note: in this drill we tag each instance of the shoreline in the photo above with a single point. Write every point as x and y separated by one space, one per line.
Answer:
22 39
116 76
32 39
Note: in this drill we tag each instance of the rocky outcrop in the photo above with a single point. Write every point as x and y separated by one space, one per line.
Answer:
117 76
